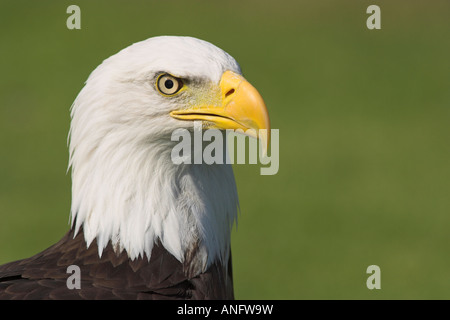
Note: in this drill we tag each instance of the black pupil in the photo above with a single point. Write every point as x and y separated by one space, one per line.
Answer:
169 84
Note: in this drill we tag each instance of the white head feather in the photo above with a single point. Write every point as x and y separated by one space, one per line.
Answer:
125 188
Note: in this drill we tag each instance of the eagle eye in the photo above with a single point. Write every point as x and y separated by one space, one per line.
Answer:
168 84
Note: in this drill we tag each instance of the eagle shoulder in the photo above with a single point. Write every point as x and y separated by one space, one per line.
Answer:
111 276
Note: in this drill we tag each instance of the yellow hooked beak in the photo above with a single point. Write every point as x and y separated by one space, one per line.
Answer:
242 108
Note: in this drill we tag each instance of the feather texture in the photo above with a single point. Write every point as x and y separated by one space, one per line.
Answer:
113 276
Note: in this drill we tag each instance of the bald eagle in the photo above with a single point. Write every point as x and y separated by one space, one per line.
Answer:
143 227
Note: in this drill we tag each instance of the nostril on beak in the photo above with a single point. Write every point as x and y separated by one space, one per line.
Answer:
229 92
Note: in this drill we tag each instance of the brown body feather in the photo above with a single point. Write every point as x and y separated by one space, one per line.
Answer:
113 276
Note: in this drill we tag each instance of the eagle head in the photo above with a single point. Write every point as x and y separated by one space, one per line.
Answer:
125 187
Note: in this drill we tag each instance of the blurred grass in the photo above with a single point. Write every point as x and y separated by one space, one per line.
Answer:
364 135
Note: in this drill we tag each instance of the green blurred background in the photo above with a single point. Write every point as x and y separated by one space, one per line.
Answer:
364 134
